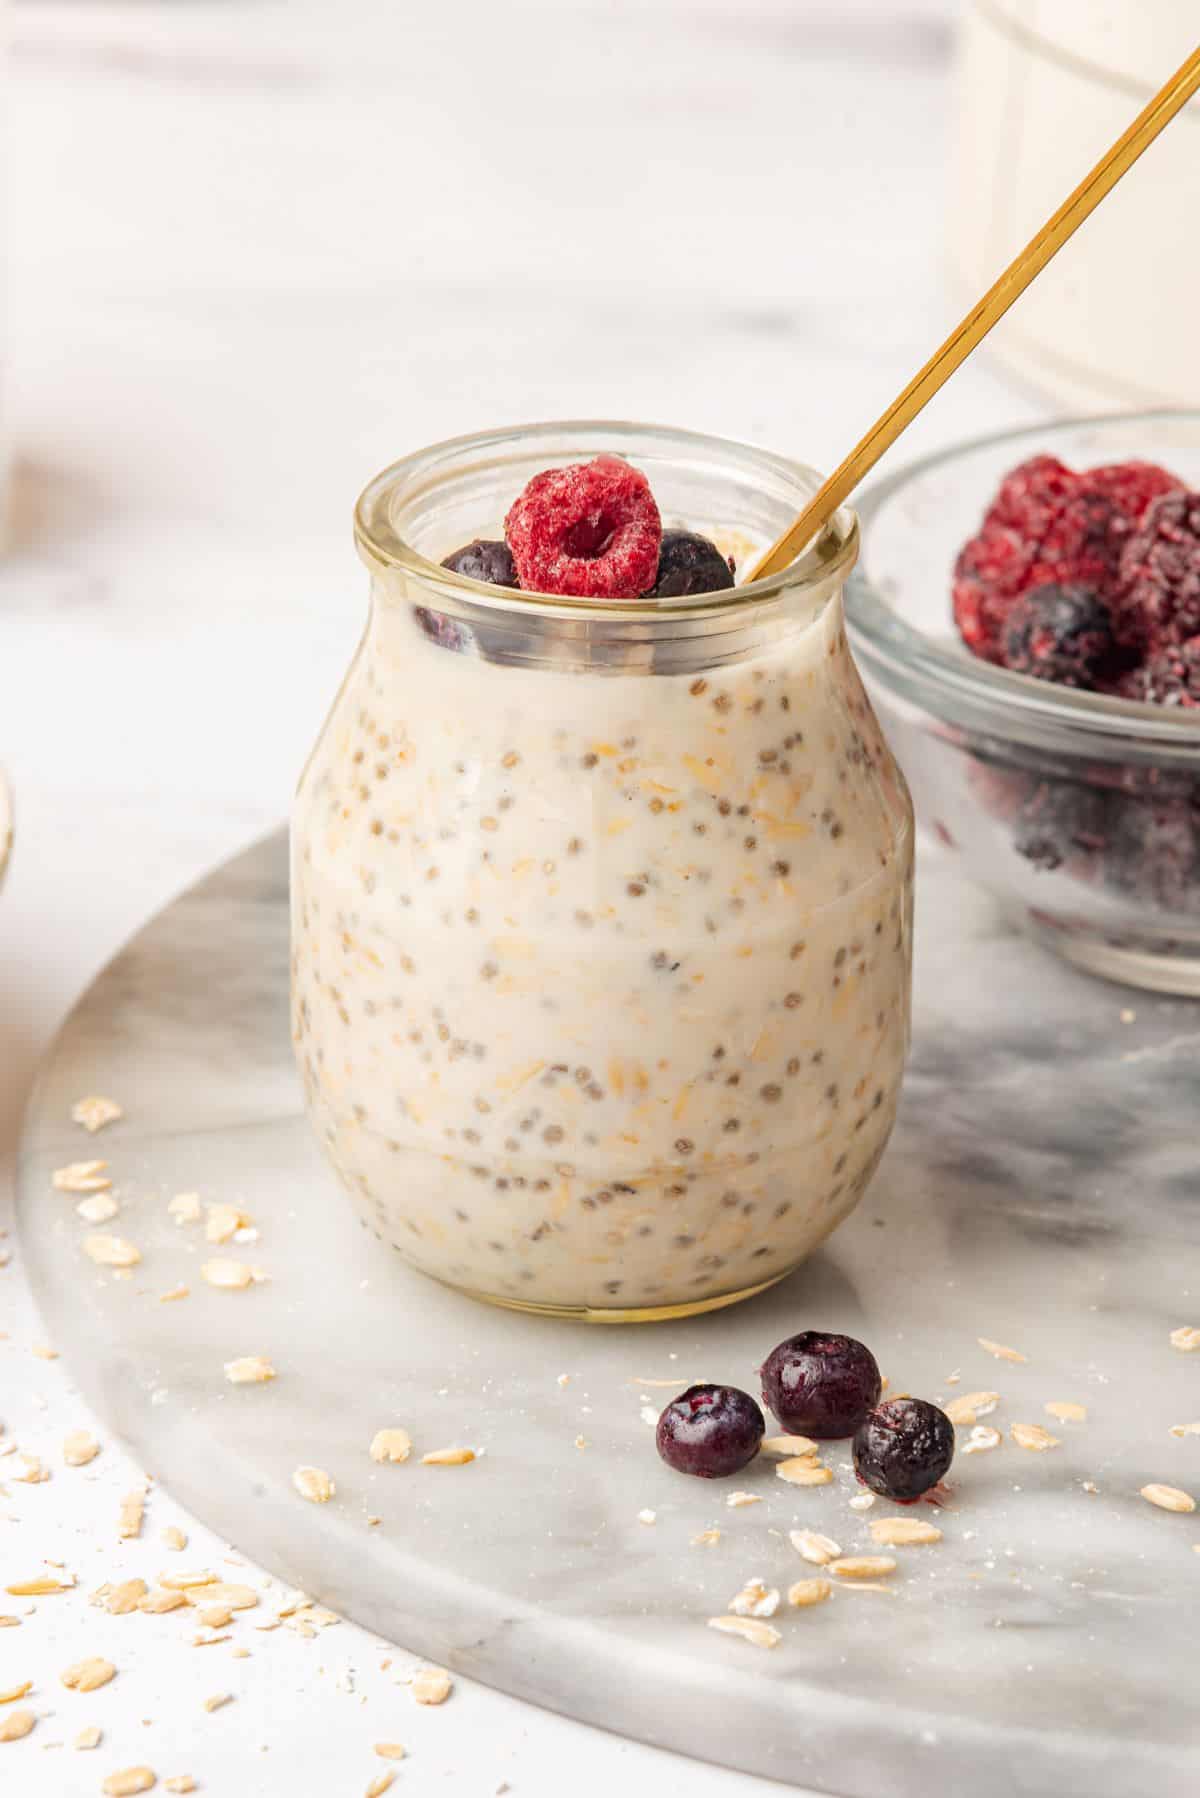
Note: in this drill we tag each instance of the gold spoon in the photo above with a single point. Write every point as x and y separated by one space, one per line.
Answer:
982 316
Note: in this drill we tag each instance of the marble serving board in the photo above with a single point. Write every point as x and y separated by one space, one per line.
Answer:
1041 1191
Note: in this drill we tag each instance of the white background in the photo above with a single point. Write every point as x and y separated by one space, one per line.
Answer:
256 252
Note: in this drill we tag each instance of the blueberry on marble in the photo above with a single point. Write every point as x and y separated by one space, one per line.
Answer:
710 1431
903 1448
820 1384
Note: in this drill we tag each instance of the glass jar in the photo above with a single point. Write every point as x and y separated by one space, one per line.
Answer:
601 911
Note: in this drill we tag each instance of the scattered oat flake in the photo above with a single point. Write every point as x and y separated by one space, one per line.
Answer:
1090 1486
1033 1437
8 1621
111 1251
94 1112
82 1176
217 1700
581 1442
249 1370
809 1591
129 1521
128 1782
390 1751
392 1445
862 1501
736 1499
119 1600
762 1635
217 1592
982 1438
448 1457
788 1445
1185 1429
1168 1498
1066 1410
801 1470
755 1600
173 1292
10 1694
998 1349
15 1724
432 1685
32 1472
647 1516
44 1352
969 1407
156 1604
79 1447
314 1484
707 1538
564 1379
223 1222
181 1782
91 1737
39 1587
863 1566
380 1784
904 1532
88 1675
1186 1339
101 1208
174 1537
186 1208
820 1550
229 1276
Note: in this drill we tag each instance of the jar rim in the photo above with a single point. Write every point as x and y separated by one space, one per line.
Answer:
825 561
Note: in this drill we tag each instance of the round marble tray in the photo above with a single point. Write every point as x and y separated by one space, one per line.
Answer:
1041 1191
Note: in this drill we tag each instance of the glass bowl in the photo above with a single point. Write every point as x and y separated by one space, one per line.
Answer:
1079 812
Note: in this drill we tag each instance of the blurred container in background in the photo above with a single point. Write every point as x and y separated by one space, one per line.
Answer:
1044 86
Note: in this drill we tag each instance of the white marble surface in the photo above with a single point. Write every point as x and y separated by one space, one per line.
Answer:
1043 1645
255 253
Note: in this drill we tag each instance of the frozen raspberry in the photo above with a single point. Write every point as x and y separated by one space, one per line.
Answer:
591 530
1062 634
1157 603
1170 677
1048 525
484 559
1030 494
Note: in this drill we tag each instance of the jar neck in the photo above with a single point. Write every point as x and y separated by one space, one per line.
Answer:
407 617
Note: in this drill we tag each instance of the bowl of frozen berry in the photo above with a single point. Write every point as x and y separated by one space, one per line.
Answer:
1027 615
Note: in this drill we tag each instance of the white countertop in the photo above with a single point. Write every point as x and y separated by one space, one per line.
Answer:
255 254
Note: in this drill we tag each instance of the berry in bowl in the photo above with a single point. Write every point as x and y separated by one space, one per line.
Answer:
1027 618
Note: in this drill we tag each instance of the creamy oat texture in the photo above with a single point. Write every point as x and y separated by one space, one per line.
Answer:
601 981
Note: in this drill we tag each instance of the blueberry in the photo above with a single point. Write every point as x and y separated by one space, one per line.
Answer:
1061 822
1059 633
710 1431
820 1385
903 1448
689 563
484 560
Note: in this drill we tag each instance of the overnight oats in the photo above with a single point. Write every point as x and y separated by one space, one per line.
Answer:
601 891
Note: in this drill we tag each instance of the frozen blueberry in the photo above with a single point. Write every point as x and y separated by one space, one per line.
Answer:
1061 823
903 1448
820 1385
484 559
1059 633
689 563
1153 853
710 1431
